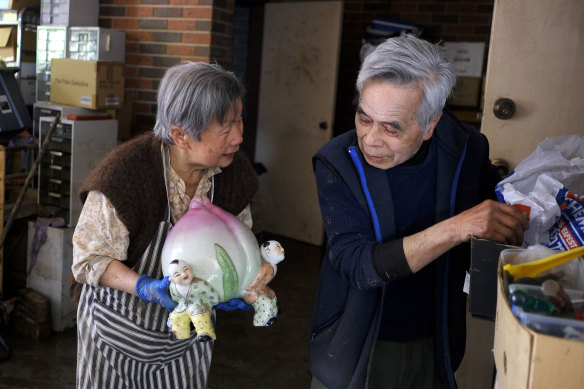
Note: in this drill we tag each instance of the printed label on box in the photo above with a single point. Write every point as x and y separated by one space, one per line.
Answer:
467 57
112 101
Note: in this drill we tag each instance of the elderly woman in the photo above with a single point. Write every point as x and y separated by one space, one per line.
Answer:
131 200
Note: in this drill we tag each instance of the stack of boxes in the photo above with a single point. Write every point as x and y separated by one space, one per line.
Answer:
69 30
80 76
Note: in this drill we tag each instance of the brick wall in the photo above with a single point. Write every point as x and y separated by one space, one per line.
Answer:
159 34
447 20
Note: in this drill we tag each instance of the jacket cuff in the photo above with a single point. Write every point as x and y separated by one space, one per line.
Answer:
389 260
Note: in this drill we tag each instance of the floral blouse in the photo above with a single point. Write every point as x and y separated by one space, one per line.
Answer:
100 236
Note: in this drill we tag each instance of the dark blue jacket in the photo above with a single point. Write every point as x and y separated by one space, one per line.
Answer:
349 295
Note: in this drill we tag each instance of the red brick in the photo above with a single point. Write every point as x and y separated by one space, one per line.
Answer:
141 107
476 19
197 38
182 24
460 9
130 71
125 24
140 36
131 47
182 50
144 60
139 11
184 2
198 13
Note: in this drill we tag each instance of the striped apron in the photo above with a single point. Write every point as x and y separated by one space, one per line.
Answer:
123 342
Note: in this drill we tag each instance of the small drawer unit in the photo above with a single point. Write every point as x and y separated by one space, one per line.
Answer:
52 42
97 44
74 148
70 12
46 108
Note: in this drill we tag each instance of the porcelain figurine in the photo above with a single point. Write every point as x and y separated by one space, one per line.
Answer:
258 294
195 298
210 257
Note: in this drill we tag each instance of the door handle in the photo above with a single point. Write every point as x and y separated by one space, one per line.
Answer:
504 108
502 167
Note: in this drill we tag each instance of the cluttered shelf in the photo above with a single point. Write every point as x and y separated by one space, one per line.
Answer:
17 198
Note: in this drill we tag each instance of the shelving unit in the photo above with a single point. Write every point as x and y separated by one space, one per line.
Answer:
26 23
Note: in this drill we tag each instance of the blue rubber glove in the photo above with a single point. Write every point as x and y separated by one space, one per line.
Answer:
232 305
155 291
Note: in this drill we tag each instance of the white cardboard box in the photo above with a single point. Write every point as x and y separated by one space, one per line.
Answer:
467 57
49 275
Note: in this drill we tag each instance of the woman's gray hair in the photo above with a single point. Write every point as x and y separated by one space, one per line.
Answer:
191 95
408 61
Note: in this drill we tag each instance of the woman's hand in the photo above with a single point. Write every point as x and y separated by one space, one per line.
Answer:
232 305
155 291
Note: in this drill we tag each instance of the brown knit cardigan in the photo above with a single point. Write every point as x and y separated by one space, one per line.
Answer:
132 178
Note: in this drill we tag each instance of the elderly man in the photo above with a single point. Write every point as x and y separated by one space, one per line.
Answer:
400 196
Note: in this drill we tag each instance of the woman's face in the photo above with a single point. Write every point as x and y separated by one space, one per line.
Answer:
219 142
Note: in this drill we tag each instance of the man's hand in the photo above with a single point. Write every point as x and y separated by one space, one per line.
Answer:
492 220
155 291
232 305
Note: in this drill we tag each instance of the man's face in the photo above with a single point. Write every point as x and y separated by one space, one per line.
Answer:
387 127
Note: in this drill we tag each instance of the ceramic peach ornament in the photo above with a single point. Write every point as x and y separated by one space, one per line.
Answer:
210 257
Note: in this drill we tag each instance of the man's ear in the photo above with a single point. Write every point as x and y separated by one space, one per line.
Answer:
179 136
430 129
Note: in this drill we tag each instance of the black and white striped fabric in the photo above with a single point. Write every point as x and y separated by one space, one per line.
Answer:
124 343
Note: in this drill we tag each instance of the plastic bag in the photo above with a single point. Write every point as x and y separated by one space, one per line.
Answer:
547 187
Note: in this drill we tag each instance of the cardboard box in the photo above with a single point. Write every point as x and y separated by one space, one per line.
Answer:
33 304
19 4
29 328
526 359
87 84
8 44
28 46
50 274
484 261
466 57
466 92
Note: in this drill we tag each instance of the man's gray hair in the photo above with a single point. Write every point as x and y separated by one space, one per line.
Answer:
191 95
408 61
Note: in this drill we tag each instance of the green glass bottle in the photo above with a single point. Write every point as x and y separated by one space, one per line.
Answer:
529 303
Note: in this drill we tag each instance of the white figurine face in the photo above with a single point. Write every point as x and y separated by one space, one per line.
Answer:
181 273
272 251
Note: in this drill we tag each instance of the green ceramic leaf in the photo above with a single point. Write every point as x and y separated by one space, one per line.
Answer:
230 278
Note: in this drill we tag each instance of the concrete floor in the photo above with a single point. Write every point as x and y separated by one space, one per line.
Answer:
244 356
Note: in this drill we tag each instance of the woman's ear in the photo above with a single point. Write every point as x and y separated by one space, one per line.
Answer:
179 136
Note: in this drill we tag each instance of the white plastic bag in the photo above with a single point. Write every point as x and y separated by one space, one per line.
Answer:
538 187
